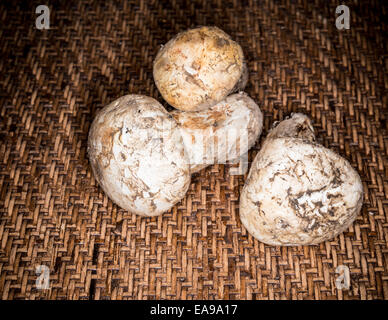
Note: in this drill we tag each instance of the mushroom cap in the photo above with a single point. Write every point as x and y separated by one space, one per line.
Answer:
198 68
299 193
222 133
137 155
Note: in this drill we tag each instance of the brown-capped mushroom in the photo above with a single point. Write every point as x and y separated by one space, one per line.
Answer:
198 68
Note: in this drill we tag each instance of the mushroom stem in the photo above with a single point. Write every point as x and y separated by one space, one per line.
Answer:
298 126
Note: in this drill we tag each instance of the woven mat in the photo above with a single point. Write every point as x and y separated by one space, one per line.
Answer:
52 212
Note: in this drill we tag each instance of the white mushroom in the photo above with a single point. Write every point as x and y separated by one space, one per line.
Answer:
137 155
222 133
297 191
198 68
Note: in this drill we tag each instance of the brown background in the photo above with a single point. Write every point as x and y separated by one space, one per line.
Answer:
52 82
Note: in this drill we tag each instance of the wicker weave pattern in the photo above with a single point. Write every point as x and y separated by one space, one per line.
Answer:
52 212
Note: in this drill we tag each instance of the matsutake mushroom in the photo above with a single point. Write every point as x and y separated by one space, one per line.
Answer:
198 68
137 155
223 133
297 191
